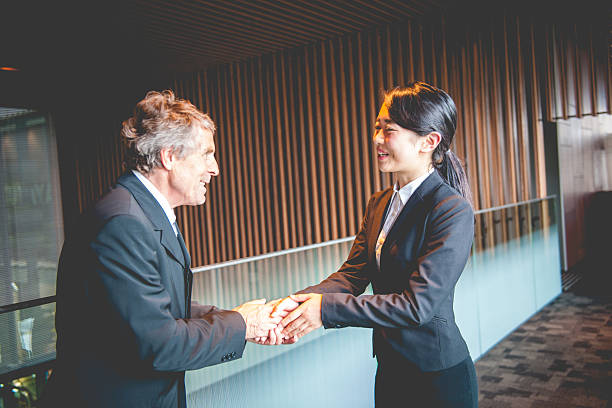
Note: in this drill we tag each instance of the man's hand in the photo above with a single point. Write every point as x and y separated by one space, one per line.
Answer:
305 318
257 315
282 307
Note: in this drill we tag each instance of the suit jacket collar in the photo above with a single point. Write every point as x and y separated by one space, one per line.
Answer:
379 209
428 186
155 213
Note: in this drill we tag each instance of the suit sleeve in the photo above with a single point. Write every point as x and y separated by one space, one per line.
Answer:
127 266
431 278
352 277
198 310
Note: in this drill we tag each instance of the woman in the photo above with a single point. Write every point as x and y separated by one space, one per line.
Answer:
413 246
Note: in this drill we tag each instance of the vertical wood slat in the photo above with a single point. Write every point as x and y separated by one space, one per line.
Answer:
327 139
280 157
577 74
508 119
245 162
348 222
319 140
306 234
294 128
497 145
354 137
256 153
361 114
338 157
312 176
288 136
521 119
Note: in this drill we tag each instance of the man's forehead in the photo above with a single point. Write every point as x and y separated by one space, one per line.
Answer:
205 138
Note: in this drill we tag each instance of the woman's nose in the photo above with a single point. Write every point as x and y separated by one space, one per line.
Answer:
378 137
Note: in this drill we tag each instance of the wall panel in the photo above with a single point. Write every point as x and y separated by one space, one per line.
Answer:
294 127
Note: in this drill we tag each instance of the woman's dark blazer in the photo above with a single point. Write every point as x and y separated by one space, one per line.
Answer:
422 258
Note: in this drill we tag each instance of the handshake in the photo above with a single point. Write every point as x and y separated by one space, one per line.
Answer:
281 321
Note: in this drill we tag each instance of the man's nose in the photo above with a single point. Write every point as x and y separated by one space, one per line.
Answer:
214 168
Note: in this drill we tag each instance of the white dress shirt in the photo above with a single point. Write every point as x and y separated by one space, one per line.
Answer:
163 201
398 201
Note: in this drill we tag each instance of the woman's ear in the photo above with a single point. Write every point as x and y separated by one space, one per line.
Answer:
430 141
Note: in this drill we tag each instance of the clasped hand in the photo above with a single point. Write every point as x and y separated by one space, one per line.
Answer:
288 319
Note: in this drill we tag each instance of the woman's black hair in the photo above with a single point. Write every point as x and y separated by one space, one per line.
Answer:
423 109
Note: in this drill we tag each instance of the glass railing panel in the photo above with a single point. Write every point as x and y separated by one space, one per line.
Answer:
516 269
275 373
466 308
27 337
547 257
513 270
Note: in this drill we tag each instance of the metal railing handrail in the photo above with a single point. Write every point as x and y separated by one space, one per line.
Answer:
27 304
503 207
346 239
271 254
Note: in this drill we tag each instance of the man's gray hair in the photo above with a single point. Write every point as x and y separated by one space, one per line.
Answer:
162 121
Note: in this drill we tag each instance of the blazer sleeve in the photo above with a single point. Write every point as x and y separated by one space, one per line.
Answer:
127 266
352 277
432 277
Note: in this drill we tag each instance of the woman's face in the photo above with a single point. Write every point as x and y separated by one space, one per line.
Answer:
398 149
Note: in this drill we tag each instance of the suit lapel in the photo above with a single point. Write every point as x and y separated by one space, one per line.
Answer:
156 215
429 185
379 211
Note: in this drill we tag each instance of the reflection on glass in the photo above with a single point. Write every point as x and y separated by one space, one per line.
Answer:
31 234
30 338
31 226
516 267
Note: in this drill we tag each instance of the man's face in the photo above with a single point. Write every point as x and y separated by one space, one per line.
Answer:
191 174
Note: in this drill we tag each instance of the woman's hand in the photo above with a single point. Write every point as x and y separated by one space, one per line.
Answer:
305 318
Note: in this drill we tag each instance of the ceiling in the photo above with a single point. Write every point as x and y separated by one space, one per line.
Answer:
183 35
202 33
106 47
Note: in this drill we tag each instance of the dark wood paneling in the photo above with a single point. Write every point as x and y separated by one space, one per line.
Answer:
294 127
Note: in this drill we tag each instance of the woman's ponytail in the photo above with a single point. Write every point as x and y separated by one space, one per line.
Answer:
451 170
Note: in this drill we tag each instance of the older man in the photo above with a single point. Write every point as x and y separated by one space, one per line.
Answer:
127 329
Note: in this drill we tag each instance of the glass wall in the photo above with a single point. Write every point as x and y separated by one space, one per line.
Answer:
514 270
31 235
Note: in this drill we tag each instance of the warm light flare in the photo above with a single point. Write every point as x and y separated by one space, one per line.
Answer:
8 69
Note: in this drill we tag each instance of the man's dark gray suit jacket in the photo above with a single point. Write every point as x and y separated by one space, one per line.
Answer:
126 327
422 258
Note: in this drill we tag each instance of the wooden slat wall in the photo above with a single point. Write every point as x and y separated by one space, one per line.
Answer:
294 127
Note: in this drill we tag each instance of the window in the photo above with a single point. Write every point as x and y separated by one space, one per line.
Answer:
31 236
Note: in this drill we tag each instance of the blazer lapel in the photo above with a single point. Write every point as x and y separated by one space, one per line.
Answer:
379 211
429 185
156 215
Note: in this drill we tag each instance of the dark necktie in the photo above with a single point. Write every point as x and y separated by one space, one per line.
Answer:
181 241
187 271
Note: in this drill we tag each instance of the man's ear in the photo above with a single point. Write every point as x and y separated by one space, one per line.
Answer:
167 158
430 141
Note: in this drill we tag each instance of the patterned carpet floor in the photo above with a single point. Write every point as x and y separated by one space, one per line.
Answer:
561 357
